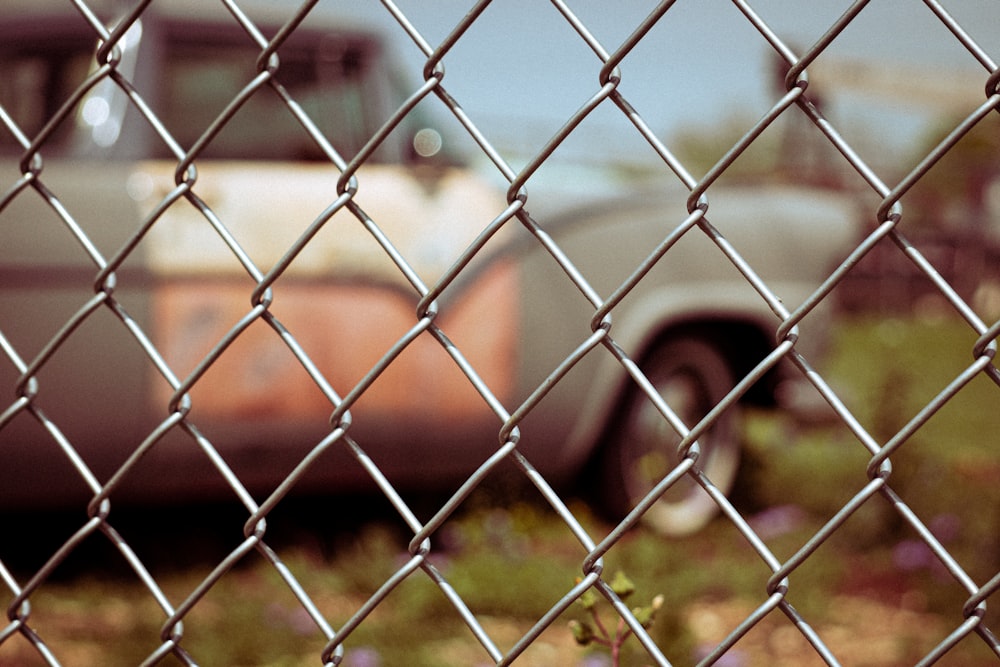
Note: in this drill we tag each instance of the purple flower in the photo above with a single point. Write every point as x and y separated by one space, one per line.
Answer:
910 555
731 658
776 521
945 527
364 656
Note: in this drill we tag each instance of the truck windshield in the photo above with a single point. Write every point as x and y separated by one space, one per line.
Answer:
325 77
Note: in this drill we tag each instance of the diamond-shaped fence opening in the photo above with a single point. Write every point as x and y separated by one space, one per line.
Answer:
498 335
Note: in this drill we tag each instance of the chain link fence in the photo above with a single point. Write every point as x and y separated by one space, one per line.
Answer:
279 296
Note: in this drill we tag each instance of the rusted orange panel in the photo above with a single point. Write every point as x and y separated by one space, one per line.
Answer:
345 329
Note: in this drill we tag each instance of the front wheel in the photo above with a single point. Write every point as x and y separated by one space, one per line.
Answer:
692 376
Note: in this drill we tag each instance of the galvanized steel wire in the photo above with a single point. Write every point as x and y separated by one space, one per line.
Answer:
796 99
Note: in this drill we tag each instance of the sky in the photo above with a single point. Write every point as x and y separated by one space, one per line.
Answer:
521 71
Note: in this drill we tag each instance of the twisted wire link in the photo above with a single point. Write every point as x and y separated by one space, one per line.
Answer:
185 176
889 214
597 332
28 387
797 82
610 76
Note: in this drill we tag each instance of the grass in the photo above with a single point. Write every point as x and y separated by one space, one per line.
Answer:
872 590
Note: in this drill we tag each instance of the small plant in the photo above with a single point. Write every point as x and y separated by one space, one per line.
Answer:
594 631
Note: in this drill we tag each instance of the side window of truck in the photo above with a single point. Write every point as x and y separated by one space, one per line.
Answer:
330 75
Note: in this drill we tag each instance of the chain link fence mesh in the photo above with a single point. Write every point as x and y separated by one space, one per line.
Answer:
881 442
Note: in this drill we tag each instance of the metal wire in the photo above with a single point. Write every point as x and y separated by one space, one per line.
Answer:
597 333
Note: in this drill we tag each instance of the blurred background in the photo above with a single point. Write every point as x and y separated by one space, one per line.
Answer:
894 84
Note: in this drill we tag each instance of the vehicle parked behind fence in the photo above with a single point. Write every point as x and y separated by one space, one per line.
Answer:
155 296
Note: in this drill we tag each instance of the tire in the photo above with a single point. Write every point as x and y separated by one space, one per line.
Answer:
692 376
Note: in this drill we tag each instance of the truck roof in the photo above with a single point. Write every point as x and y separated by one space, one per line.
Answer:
260 12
